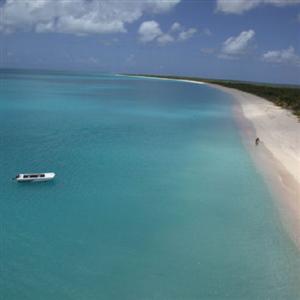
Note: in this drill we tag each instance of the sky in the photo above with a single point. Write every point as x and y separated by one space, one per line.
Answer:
255 40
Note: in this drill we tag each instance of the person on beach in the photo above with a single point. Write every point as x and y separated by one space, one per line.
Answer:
257 140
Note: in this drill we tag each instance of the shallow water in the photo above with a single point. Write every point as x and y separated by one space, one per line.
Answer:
155 195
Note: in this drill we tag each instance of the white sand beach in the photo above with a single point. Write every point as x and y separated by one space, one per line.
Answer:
278 154
277 128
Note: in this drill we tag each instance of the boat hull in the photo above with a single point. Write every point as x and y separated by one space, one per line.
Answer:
35 177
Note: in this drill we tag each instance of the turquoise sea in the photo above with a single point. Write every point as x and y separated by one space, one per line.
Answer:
155 195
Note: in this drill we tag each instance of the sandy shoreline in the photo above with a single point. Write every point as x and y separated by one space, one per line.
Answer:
277 128
278 155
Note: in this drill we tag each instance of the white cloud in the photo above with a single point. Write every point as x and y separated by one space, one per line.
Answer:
150 31
237 6
284 56
185 35
76 17
234 47
165 39
240 6
176 27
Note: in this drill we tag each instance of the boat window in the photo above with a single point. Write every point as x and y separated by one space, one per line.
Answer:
25 176
42 175
33 176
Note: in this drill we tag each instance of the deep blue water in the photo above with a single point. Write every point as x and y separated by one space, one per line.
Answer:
155 195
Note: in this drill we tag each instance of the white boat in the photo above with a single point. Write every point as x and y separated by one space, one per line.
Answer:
35 177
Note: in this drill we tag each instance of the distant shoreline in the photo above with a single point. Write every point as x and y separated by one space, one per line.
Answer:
278 155
286 96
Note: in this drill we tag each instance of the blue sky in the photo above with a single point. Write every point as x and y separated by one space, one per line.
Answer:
256 40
